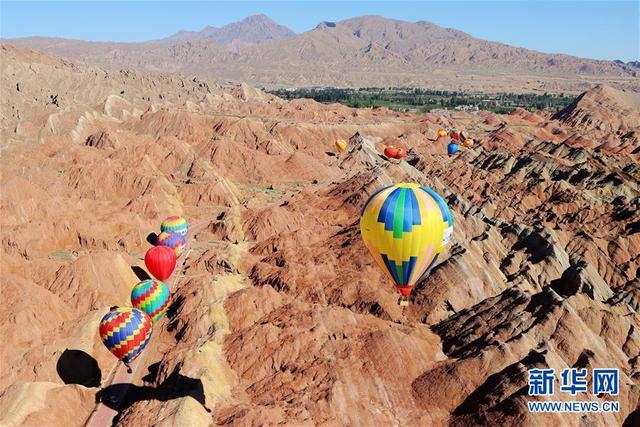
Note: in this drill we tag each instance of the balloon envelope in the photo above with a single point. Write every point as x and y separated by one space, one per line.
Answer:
452 148
152 297
446 214
468 142
391 152
160 261
442 133
404 227
175 224
174 241
401 153
341 145
125 331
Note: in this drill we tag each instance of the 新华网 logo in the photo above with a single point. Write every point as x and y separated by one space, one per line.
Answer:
574 381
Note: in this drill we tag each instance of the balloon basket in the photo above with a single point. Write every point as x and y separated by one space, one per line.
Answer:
403 302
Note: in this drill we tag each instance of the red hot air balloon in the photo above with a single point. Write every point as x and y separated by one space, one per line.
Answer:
401 153
160 261
391 152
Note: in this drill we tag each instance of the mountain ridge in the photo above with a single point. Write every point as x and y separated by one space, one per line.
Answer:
252 29
355 52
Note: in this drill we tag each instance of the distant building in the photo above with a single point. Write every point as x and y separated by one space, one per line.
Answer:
467 108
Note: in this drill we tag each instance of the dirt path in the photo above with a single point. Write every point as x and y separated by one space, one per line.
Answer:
102 415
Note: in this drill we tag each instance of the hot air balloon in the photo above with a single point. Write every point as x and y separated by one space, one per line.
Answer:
448 232
175 224
442 133
404 227
391 151
452 149
125 331
152 297
160 261
468 143
174 241
401 153
455 135
341 145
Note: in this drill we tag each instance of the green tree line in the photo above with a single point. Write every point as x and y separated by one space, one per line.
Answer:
425 100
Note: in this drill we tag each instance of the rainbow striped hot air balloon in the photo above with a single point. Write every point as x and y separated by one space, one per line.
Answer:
152 297
174 241
175 224
405 227
125 331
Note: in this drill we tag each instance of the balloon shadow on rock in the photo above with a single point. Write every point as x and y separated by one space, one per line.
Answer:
174 322
153 369
175 305
152 238
120 397
78 367
140 273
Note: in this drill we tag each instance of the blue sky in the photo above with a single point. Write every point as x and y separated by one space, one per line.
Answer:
593 29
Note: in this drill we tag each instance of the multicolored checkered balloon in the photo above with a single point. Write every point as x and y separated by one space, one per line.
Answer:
406 227
125 331
152 297
174 241
175 224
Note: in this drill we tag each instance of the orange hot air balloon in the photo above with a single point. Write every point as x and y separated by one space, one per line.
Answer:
468 143
391 152
341 145
442 133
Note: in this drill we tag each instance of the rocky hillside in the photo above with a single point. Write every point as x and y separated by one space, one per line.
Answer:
364 51
281 315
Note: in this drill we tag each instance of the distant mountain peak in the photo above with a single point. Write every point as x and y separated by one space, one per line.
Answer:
326 24
251 30
261 18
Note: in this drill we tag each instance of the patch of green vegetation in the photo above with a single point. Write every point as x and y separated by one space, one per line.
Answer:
64 255
424 100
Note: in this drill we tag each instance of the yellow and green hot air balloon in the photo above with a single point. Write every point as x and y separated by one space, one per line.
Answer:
406 227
